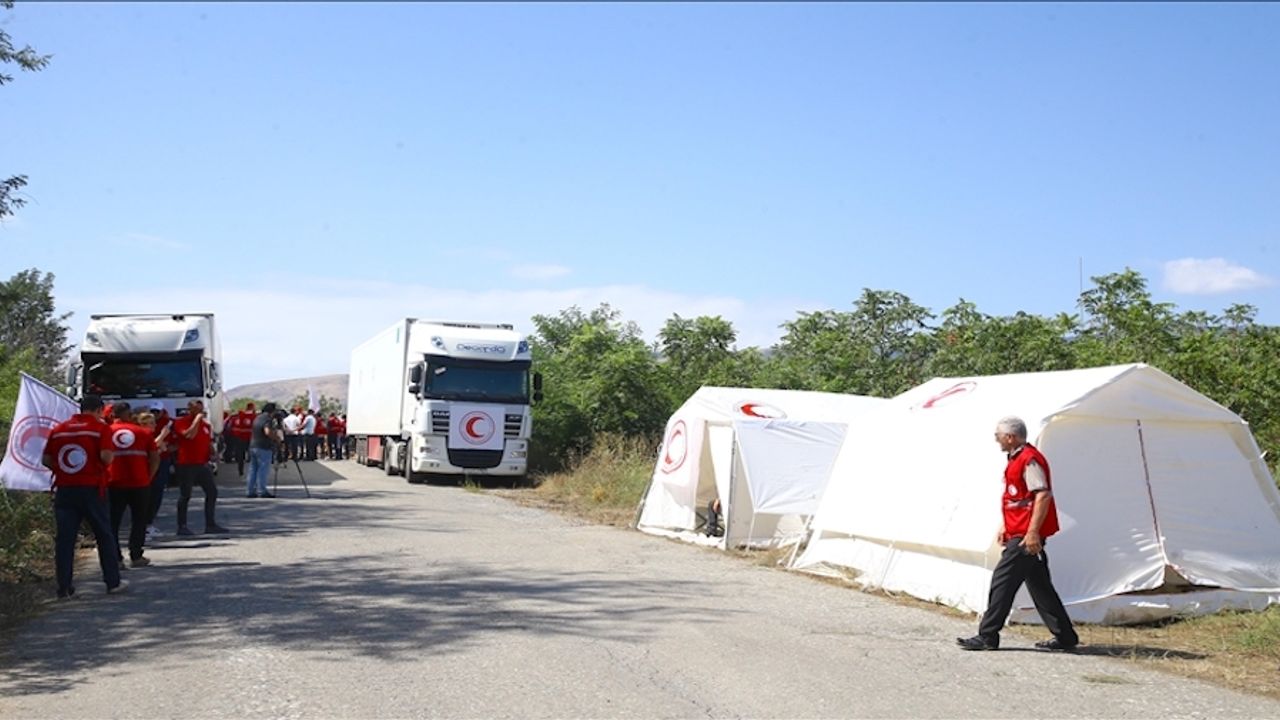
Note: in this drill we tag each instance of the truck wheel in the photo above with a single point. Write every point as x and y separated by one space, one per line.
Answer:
415 478
386 460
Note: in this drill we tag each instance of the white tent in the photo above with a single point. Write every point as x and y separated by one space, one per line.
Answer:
766 454
1165 503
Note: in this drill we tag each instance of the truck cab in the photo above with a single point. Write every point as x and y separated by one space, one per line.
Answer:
142 359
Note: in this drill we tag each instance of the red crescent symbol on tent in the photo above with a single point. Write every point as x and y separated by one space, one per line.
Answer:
760 410
678 441
957 389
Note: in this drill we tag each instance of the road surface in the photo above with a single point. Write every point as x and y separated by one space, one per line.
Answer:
376 598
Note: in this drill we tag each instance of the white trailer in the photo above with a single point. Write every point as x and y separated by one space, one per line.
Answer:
143 359
443 399
437 398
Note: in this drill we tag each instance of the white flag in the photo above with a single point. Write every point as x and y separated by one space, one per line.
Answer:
39 409
313 401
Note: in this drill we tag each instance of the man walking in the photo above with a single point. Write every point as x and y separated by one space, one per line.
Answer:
241 428
309 434
264 438
1030 518
195 442
168 453
78 452
135 460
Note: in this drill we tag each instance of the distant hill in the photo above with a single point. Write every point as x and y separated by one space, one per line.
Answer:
282 391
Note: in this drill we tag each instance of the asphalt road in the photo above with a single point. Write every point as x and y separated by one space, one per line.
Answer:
376 598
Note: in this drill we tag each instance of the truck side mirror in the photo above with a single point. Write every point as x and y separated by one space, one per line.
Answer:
537 396
414 388
537 381
415 377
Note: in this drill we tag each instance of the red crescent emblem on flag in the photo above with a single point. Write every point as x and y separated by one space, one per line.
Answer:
28 438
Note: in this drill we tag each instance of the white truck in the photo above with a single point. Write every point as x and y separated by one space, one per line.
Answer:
435 398
143 359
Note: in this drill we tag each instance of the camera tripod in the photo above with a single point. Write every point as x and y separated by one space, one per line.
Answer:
275 481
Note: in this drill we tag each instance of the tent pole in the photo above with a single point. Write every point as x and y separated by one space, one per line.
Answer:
733 468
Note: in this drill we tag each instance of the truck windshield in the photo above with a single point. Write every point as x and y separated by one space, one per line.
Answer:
477 382
126 379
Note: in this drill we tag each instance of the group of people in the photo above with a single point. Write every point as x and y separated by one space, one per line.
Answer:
106 460
307 435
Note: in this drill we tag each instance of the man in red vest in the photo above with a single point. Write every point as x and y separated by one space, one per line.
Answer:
241 431
1030 518
195 448
134 463
78 452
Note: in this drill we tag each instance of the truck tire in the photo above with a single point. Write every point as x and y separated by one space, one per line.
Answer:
415 478
387 467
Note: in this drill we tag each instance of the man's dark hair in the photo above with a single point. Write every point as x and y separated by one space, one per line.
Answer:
269 408
122 409
89 403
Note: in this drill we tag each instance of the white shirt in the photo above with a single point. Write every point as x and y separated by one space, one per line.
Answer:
291 424
309 425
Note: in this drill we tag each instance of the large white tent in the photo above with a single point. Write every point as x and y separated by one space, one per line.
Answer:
1165 502
766 454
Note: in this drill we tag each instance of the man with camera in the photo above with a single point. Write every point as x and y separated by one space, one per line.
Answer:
265 436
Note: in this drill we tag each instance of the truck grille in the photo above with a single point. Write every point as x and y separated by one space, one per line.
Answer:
440 422
511 425
477 459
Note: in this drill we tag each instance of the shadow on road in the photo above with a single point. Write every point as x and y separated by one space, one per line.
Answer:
391 605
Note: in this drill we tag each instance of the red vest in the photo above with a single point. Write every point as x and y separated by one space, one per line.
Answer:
242 425
131 466
1017 501
74 446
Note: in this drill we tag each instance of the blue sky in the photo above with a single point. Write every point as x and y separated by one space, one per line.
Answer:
311 172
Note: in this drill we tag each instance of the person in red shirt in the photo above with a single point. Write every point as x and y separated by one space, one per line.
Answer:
240 432
135 461
168 453
78 452
322 437
195 448
337 437
1030 517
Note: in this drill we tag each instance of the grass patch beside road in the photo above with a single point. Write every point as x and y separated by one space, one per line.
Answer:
26 553
1237 650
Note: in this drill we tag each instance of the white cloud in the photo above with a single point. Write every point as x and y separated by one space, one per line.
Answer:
299 329
1210 276
538 272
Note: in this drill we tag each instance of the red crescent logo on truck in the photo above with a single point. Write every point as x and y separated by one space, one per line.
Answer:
674 448
760 410
28 438
477 427
951 392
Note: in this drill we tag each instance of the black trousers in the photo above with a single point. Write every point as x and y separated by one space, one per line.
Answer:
239 452
188 476
1015 568
71 505
138 502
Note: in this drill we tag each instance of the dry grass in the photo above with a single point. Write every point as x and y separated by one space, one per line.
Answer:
604 486
1237 650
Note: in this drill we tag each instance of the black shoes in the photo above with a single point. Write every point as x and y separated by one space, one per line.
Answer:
977 642
184 530
1055 645
267 495
216 530
252 495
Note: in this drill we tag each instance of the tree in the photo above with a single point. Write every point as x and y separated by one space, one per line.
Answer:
240 403
602 377
879 348
327 404
29 60
697 351
974 343
28 320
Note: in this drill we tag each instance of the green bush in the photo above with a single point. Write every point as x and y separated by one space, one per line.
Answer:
26 536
